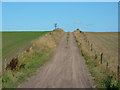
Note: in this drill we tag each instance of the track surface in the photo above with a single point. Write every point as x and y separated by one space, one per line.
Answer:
67 69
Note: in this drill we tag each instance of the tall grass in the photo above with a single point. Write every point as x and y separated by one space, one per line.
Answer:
68 33
103 77
41 51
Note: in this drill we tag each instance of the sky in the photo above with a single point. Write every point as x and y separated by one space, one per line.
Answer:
87 16
60 0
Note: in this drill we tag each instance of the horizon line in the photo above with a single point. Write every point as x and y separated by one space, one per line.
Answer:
49 30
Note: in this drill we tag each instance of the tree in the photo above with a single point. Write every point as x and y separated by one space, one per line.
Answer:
55 25
78 29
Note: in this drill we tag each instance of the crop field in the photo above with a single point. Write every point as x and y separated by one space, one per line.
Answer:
106 43
100 50
14 43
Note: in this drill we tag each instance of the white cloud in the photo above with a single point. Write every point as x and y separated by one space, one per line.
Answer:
77 22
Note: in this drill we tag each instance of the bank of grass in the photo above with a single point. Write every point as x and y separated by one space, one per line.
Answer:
14 43
41 50
68 34
103 76
32 61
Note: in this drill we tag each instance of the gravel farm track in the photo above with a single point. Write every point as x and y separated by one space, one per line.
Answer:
67 69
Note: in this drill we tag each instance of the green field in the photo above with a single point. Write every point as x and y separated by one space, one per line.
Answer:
42 50
14 43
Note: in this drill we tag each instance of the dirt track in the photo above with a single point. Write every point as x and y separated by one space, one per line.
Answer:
67 69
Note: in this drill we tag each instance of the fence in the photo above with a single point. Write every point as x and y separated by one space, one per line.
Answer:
99 55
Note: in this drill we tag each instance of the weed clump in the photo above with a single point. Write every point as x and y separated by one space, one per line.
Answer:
68 33
12 64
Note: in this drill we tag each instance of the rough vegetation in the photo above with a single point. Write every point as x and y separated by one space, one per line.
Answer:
14 43
32 58
68 34
100 70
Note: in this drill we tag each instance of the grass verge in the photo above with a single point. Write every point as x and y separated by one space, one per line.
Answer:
32 61
68 33
28 62
103 77
14 43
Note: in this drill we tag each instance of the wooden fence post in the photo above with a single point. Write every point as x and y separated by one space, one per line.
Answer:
107 66
101 58
96 56
88 42
5 63
91 47
119 73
